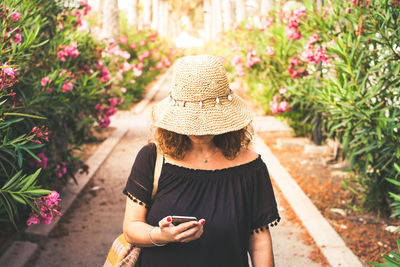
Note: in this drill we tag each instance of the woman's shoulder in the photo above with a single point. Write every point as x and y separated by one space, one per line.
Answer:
245 156
147 152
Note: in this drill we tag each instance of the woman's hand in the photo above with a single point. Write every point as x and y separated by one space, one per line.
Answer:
184 232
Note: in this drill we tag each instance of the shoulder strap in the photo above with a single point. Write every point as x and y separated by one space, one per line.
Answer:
157 171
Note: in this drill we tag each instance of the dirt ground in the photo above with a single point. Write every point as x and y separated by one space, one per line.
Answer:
362 231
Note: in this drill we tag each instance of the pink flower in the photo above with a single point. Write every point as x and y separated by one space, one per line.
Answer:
16 16
123 90
113 101
273 106
146 53
105 122
97 107
283 106
282 90
17 38
42 163
45 81
52 199
270 51
159 65
313 39
251 58
292 33
33 219
68 86
266 21
126 66
123 39
140 58
8 71
71 50
132 46
142 43
151 68
137 72
110 111
248 27
61 56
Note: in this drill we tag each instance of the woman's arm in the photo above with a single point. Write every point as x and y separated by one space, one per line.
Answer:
136 230
260 249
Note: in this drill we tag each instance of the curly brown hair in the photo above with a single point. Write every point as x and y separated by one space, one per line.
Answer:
176 145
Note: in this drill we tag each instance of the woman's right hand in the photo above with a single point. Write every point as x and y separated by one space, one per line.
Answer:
184 232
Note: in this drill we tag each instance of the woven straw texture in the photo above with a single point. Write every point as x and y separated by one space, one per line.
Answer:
122 254
201 102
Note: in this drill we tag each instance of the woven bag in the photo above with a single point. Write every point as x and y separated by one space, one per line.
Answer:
122 253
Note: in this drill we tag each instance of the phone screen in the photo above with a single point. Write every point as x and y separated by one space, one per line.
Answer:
176 220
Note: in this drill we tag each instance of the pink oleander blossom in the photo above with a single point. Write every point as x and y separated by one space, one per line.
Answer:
17 38
123 39
110 111
68 86
251 58
105 122
42 163
142 43
248 27
48 207
113 101
293 69
137 72
45 81
270 51
123 90
132 46
159 65
8 71
282 90
16 16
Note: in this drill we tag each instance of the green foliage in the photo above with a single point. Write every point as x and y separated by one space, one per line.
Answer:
392 260
352 96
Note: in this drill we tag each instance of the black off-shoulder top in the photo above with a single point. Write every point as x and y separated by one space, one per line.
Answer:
235 202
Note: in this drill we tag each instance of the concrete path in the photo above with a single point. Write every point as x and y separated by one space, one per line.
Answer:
85 233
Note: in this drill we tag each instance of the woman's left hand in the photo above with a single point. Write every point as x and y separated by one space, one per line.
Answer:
184 232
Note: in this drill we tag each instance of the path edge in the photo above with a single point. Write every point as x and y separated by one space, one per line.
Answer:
326 238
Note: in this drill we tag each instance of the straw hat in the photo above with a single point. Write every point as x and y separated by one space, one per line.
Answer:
200 100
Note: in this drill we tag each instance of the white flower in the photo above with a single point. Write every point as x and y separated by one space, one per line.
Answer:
387 114
395 130
373 100
372 63
337 99
377 35
371 47
324 70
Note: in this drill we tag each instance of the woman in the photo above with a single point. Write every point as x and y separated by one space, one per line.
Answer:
208 172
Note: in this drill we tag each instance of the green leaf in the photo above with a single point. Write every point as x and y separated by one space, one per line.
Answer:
38 192
19 199
30 180
12 180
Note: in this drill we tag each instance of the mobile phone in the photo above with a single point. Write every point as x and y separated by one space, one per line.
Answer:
176 220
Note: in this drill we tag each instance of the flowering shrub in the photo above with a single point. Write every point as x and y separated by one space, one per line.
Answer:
340 68
48 92
137 57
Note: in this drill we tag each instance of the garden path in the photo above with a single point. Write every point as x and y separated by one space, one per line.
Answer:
85 233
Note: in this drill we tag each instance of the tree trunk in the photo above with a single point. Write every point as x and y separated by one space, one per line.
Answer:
240 9
163 20
111 19
133 12
101 12
146 13
266 6
207 19
227 14
216 12
155 18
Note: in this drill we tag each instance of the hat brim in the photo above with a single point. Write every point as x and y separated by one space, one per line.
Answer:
196 120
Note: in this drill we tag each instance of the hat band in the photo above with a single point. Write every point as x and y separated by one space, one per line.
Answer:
201 103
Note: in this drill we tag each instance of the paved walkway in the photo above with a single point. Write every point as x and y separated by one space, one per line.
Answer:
85 233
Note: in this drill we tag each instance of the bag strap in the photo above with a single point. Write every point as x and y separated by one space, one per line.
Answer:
157 171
